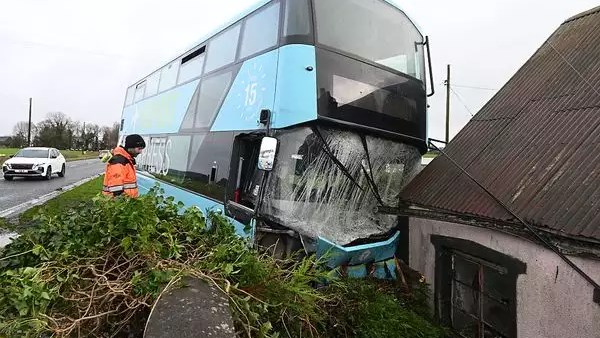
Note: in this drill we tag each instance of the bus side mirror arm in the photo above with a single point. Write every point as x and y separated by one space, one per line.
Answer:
265 119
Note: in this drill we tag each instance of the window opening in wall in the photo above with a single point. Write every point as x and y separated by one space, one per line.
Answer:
479 307
476 288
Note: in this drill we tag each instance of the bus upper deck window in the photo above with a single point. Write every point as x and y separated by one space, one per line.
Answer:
374 30
260 31
152 84
221 49
191 65
168 76
139 91
297 18
129 96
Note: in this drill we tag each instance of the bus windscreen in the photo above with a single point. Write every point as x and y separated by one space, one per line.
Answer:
373 30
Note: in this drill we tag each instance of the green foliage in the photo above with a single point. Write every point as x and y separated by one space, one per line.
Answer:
98 266
96 270
4 224
374 308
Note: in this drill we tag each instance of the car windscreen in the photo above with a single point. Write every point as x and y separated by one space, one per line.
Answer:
33 153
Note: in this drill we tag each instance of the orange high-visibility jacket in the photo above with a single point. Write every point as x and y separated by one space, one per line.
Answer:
120 177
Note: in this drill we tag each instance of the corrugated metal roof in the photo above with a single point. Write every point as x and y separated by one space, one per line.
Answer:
535 145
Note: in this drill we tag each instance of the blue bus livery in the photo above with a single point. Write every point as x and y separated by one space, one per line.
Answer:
296 120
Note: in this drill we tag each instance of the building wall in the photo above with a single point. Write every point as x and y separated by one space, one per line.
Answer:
550 304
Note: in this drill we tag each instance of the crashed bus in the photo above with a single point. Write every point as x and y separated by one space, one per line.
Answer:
296 120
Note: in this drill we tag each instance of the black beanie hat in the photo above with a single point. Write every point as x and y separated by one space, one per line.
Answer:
134 141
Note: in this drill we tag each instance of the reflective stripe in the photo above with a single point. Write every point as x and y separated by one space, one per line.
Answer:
113 188
130 185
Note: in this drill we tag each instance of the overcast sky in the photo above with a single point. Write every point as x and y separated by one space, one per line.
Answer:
78 56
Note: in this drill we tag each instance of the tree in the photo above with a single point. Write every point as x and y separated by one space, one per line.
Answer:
59 131
93 137
110 136
55 131
19 135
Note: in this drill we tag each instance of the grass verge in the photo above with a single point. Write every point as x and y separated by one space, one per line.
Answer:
64 201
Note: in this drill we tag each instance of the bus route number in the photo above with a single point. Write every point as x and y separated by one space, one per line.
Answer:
250 94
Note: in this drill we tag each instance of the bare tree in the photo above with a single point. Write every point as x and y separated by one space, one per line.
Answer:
19 135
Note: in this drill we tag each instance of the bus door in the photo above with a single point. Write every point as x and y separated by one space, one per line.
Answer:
245 178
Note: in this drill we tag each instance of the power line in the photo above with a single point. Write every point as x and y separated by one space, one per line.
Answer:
474 87
572 67
462 102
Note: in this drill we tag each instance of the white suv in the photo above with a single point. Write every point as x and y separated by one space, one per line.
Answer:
34 162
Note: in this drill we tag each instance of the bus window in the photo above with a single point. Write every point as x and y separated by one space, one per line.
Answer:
168 76
297 18
190 114
260 31
191 65
139 91
152 84
129 96
355 23
212 92
209 152
222 49
177 158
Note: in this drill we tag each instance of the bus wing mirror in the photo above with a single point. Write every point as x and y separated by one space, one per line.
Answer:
429 67
266 157
426 44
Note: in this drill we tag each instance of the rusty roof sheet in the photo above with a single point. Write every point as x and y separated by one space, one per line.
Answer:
535 145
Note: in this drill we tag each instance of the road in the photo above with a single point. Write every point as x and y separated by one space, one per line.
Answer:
19 191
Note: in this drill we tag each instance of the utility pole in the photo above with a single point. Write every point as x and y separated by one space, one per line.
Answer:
29 127
83 139
448 106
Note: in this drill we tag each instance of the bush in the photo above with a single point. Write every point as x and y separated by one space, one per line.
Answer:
378 309
96 270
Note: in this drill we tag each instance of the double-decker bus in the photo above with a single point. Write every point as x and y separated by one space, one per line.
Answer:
295 120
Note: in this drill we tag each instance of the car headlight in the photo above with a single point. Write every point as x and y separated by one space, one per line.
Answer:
8 165
39 165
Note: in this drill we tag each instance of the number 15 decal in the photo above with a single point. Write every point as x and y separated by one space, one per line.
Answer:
250 94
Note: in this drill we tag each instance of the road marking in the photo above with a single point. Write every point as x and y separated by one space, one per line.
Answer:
17 209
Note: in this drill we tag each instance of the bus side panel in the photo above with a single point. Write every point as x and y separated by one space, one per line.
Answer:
163 113
296 96
145 183
253 90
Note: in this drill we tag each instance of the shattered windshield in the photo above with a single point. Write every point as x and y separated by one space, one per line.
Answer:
327 182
